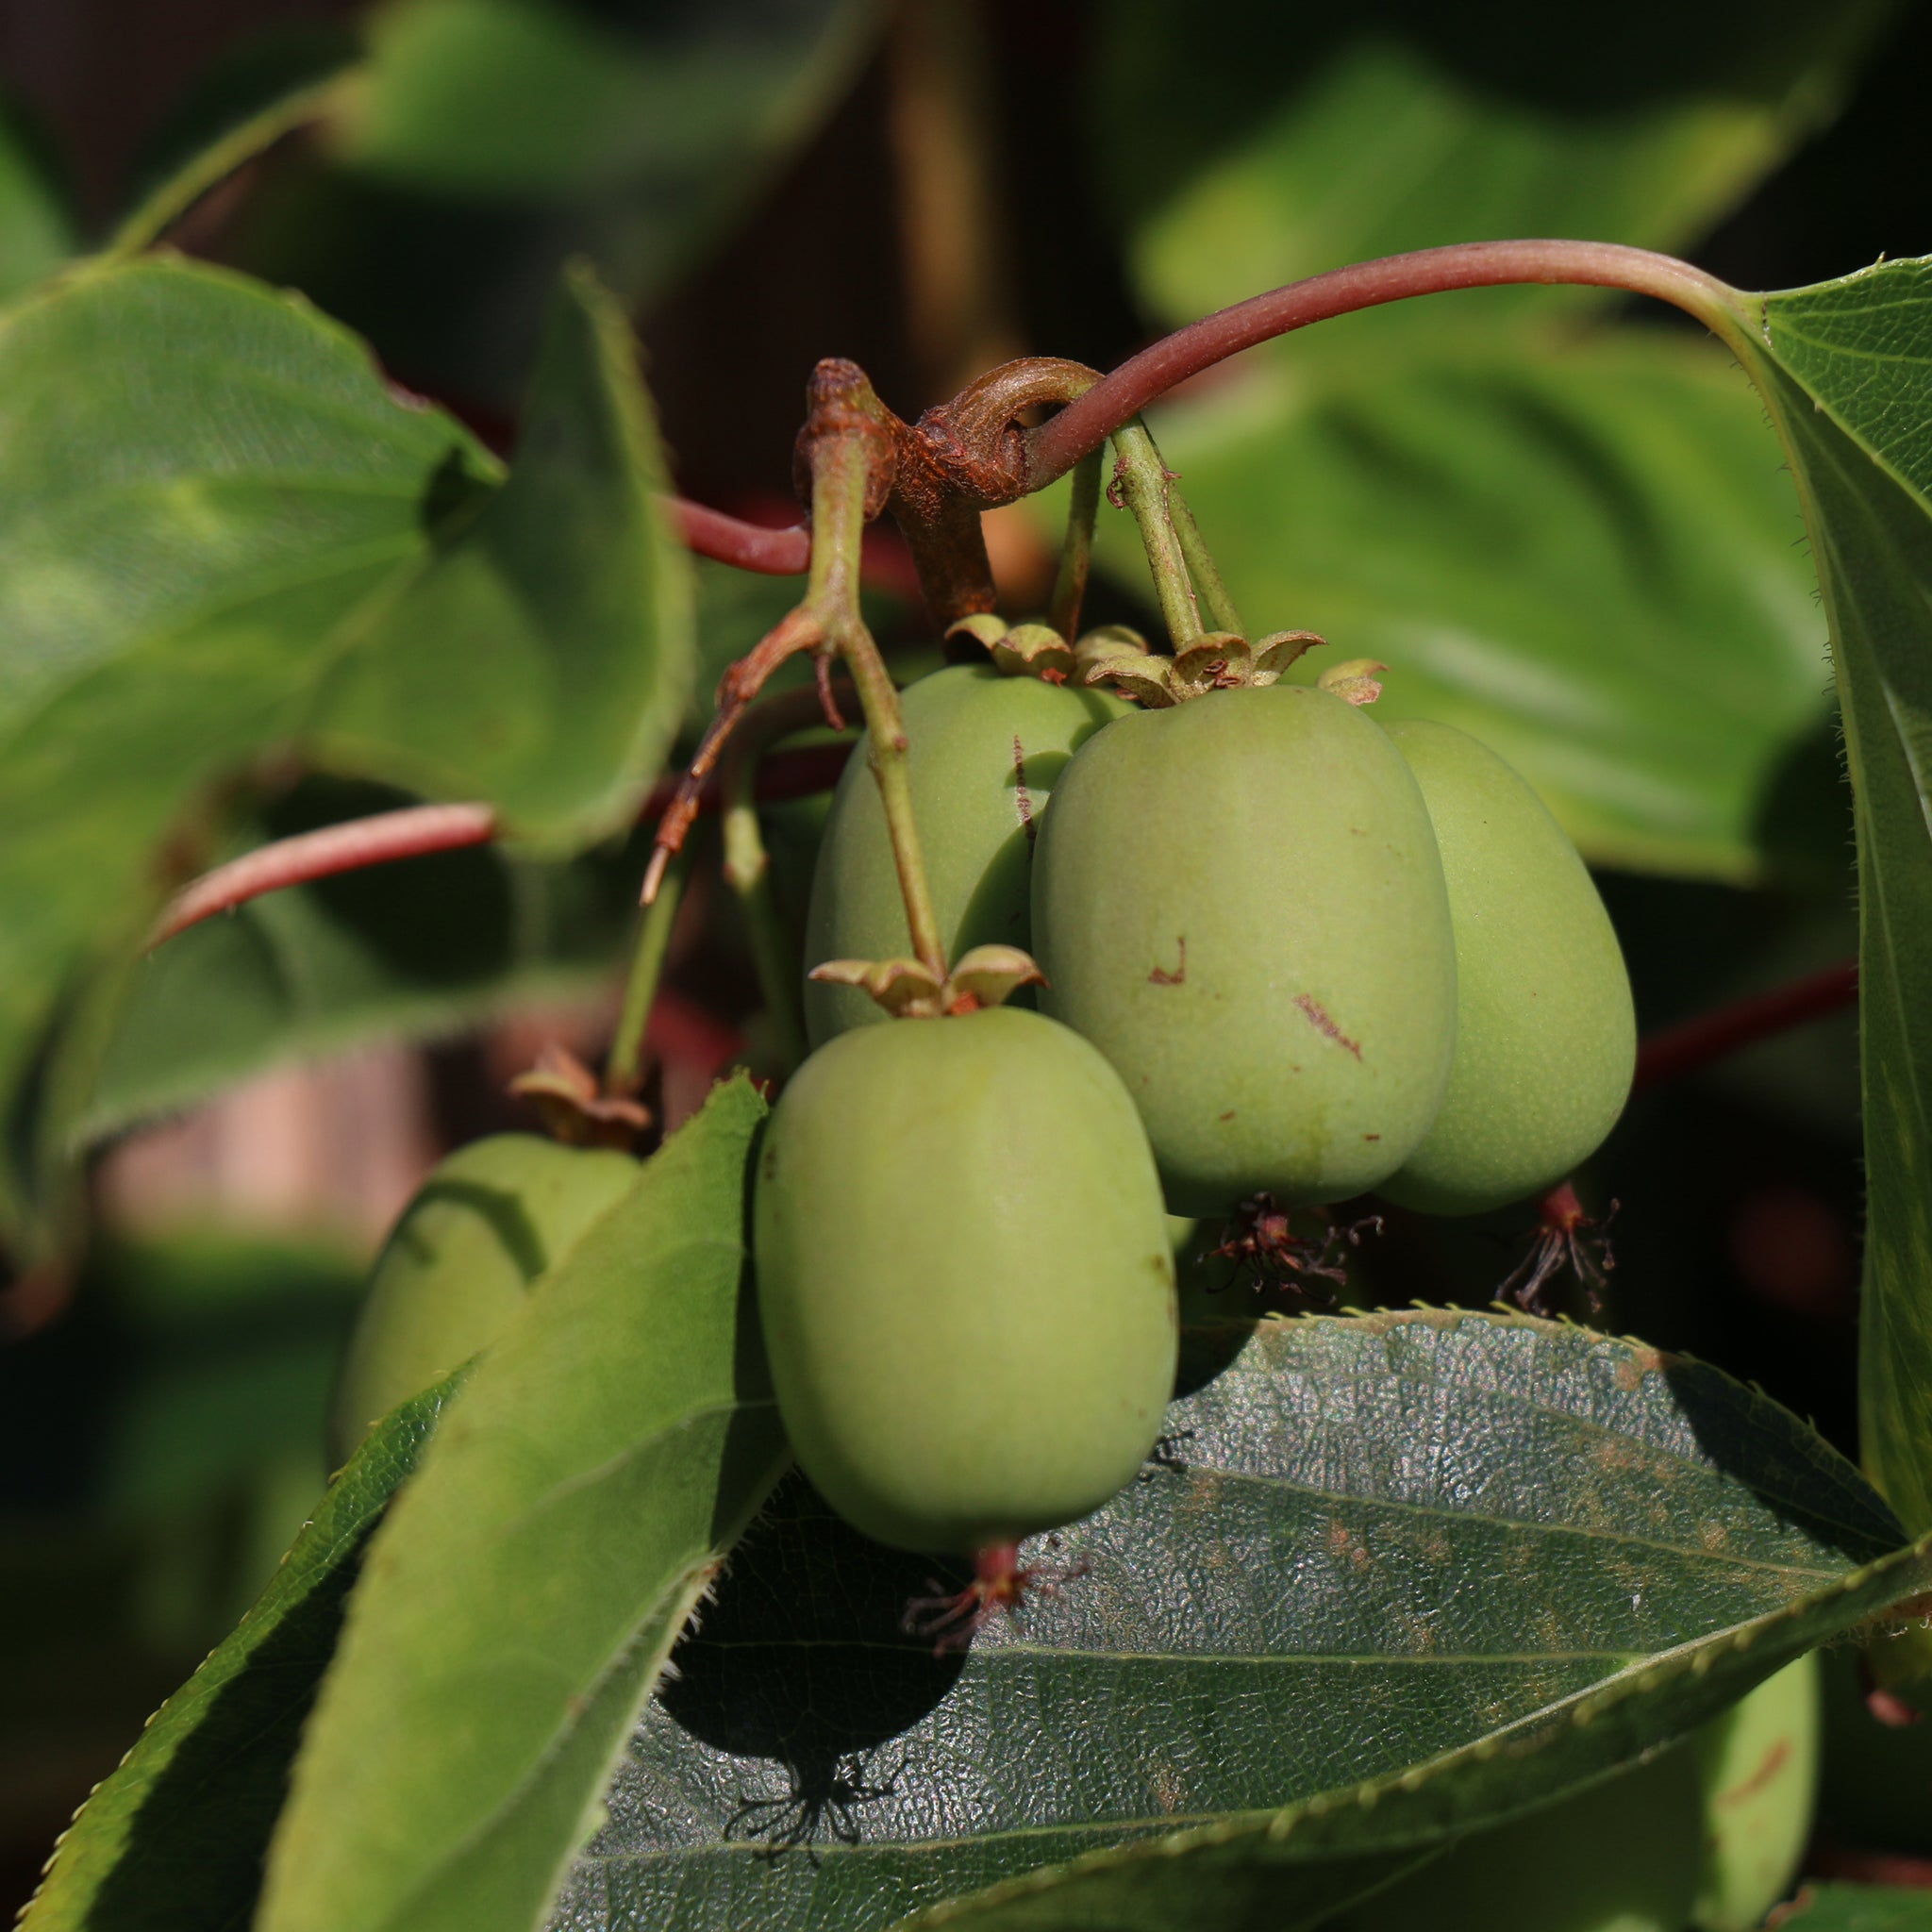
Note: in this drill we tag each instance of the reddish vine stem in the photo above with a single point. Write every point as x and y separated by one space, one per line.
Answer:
1683 1049
785 553
421 831
1117 398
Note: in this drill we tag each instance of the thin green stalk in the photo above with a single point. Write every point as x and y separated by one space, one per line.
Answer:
1201 568
839 478
1076 552
1143 480
748 866
623 1070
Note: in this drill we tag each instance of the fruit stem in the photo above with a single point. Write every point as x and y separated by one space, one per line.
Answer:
748 866
1142 481
841 479
1076 551
1202 567
624 1068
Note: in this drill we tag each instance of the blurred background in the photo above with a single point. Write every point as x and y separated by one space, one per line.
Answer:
1560 518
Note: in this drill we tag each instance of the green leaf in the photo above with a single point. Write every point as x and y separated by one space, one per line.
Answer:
1585 558
36 229
1860 1908
176 1837
543 655
1304 141
1842 369
200 480
227 543
520 1602
1385 1578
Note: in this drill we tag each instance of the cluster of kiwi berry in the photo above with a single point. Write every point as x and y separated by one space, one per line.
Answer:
1285 956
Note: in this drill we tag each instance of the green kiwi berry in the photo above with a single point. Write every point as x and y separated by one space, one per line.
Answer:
964 1277
1238 901
458 1264
1545 1032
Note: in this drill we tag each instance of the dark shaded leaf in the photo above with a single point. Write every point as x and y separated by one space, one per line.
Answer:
516 1611
176 1837
1386 1578
36 229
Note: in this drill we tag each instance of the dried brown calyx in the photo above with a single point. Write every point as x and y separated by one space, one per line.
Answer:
1220 660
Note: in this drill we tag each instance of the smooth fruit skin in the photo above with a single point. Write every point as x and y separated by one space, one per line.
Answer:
1758 1766
458 1264
1545 1032
986 752
964 1278
1619 1857
1239 902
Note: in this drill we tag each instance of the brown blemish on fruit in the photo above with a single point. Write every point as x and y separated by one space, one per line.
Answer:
1023 799
1317 1015
1227 1116
1372 1137
1773 1762
1160 977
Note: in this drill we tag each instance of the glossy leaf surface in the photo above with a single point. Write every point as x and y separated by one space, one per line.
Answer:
516 1609
175 1838
1386 1578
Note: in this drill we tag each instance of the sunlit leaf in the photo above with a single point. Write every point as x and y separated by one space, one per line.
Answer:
517 1608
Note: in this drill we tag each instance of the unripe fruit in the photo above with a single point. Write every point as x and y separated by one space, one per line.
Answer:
1239 902
964 1278
985 752
458 1262
1758 1767
1620 1856
1545 1033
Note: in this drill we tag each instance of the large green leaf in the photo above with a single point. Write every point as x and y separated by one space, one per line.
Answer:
175 1838
1307 140
227 542
1386 1578
1585 557
518 1602
1843 368
541 655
